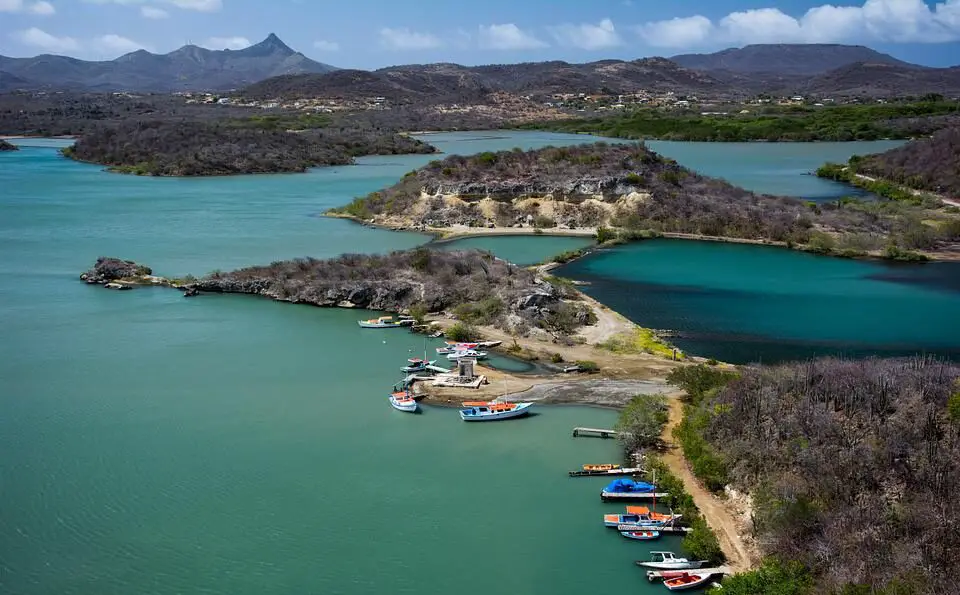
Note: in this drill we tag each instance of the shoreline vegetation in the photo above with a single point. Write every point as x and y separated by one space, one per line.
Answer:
194 148
770 123
623 192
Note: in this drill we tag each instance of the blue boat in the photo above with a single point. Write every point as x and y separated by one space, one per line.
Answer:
495 411
627 489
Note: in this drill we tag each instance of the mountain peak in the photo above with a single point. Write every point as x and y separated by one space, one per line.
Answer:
272 43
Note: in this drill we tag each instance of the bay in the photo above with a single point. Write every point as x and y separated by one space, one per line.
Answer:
742 303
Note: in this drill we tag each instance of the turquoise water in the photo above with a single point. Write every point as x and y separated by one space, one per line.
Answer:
229 444
772 168
744 303
522 250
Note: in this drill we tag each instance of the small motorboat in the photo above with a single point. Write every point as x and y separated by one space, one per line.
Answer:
656 516
689 580
415 364
455 347
495 411
385 322
602 467
466 353
669 561
404 401
641 535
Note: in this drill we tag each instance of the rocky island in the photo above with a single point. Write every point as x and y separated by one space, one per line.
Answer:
636 192
200 148
475 286
5 146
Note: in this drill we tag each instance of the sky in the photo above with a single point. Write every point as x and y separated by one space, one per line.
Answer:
371 34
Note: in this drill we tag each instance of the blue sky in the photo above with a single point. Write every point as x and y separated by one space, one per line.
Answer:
375 33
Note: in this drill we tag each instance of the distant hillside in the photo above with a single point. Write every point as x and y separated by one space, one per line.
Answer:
785 59
884 80
925 164
444 81
188 68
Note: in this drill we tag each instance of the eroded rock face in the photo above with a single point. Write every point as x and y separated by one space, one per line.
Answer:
108 269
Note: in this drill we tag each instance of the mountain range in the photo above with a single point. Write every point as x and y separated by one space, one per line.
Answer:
188 68
272 69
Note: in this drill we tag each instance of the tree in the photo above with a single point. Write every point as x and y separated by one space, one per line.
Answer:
641 421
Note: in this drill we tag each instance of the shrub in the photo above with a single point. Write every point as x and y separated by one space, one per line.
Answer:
543 222
605 234
641 421
772 578
702 543
556 358
587 366
462 333
419 312
699 381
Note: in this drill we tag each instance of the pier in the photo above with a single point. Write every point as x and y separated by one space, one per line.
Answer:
620 471
653 575
595 432
668 529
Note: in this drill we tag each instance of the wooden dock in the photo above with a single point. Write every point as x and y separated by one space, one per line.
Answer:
595 432
668 530
609 472
631 496
653 575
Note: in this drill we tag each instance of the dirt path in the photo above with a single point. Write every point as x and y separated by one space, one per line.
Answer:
953 202
740 555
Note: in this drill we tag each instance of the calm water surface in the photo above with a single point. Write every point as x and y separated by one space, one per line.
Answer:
230 444
744 303
522 250
234 445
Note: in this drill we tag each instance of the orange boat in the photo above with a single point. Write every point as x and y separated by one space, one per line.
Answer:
687 581
654 516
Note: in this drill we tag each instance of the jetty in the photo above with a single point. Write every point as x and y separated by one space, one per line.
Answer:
653 575
595 432
667 529
619 471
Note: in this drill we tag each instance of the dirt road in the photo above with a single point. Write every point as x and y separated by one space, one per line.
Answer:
741 555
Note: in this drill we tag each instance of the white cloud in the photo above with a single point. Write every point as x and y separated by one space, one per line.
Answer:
326 46
588 36
228 43
405 39
41 39
200 5
883 21
42 7
118 44
508 37
152 12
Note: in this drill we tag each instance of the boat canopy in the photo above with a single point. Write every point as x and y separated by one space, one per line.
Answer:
624 485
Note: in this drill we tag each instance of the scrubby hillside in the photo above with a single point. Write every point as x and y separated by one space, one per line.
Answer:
854 467
925 164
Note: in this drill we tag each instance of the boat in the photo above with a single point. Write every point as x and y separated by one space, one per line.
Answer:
385 322
669 561
626 489
495 411
455 347
602 467
657 516
415 364
645 535
402 399
488 344
640 520
467 353
605 470
688 580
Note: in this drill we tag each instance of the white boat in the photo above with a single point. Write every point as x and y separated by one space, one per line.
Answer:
669 561
495 411
687 580
386 322
402 401
467 353
455 347
415 364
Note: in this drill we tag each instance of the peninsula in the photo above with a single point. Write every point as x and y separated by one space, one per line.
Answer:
629 191
200 148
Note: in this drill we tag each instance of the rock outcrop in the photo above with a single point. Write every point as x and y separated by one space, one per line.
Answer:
5 146
108 270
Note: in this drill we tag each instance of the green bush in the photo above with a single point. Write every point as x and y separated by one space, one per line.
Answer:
462 333
699 381
641 421
556 358
702 543
587 366
419 312
605 234
484 312
772 578
543 222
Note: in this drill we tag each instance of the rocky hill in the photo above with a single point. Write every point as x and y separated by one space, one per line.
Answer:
188 68
475 285
446 82
5 146
805 59
882 80
198 148
627 187
926 164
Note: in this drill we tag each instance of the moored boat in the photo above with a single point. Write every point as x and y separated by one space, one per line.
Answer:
467 353
404 401
640 520
605 470
645 535
415 364
495 411
385 322
455 347
688 580
669 561
626 489
656 516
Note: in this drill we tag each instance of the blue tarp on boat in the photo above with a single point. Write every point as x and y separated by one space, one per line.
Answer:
624 485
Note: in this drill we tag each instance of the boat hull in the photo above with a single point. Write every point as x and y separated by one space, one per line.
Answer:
641 535
686 565
472 415
405 405
631 496
691 581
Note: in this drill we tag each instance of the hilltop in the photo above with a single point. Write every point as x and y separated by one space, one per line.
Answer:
803 59
630 188
188 68
925 164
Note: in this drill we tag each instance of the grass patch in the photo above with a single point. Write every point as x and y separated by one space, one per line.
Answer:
641 340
